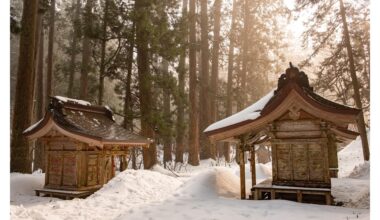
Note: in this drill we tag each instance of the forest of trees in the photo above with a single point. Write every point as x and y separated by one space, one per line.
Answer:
169 68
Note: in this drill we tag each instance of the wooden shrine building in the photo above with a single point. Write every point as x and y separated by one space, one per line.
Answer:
81 143
302 129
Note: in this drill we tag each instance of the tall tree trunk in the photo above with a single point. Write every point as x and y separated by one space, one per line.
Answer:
230 72
39 152
206 148
103 55
144 78
86 51
243 76
128 117
167 116
358 102
23 107
193 108
215 60
366 70
215 69
49 71
181 90
74 45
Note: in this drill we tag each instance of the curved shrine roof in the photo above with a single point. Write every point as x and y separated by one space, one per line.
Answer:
81 119
292 85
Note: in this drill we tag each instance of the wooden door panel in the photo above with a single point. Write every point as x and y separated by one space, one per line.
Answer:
300 162
69 170
316 162
284 166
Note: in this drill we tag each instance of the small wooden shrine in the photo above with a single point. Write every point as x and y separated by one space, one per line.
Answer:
81 142
303 130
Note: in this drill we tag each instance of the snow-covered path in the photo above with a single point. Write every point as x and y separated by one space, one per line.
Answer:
211 193
203 192
209 196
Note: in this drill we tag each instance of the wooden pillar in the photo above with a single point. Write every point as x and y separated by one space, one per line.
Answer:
333 156
242 169
113 166
299 196
253 166
328 198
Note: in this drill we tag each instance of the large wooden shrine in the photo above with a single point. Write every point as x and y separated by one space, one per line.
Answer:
82 142
302 129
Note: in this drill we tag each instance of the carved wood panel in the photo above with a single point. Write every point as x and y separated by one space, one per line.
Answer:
284 169
316 162
55 168
92 170
69 170
300 162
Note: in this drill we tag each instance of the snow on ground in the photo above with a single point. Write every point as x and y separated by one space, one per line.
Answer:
350 157
129 188
352 188
22 189
207 191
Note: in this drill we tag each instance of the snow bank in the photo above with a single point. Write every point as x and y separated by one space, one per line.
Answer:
352 188
227 184
353 193
128 189
250 113
137 187
212 193
263 172
350 157
361 171
22 188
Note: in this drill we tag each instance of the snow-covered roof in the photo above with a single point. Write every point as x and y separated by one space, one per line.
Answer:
293 90
33 126
82 120
76 101
250 113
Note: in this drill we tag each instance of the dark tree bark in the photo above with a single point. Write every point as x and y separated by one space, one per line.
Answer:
215 71
358 102
145 84
193 108
39 152
23 107
103 55
231 48
243 76
167 116
128 117
86 51
215 60
49 71
74 45
206 148
181 90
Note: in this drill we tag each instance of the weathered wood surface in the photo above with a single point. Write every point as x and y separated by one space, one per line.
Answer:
72 165
66 194
300 153
299 192
242 172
